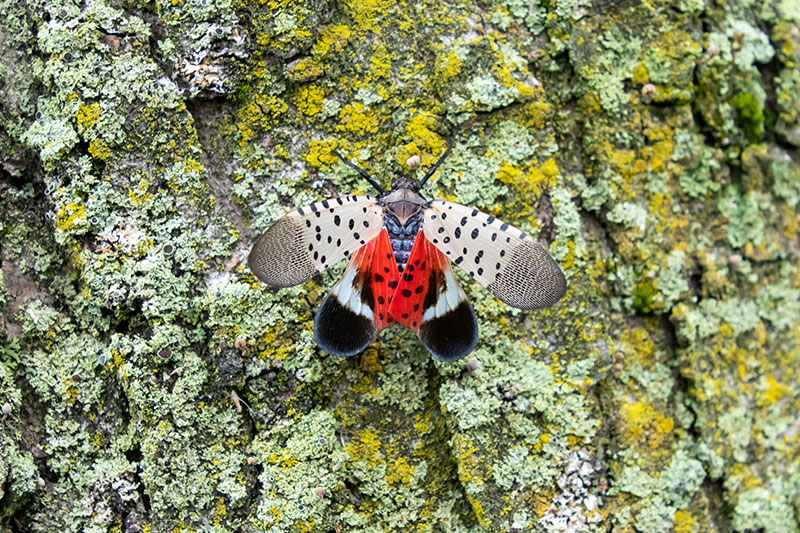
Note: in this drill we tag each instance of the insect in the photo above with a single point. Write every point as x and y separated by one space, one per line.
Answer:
400 248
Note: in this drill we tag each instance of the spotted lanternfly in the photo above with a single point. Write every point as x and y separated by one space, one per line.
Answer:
400 247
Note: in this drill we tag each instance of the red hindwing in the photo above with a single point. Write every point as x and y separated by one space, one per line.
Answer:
424 264
383 278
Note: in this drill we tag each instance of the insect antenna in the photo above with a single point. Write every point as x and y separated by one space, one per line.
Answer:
360 171
433 168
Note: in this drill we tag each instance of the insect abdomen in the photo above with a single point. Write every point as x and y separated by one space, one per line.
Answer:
402 236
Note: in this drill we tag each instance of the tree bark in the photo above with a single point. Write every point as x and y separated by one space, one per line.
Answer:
148 382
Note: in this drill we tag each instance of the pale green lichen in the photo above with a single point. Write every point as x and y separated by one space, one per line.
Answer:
772 510
671 279
629 214
745 222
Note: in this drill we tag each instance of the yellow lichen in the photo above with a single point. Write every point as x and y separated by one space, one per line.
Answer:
357 119
319 153
88 115
69 214
365 447
684 523
309 100
642 421
99 149
331 39
400 472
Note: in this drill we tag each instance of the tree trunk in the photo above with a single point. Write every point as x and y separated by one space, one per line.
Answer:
148 382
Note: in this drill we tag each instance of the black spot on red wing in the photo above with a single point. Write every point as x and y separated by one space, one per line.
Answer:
388 256
392 285
416 307
390 299
390 320
404 315
405 293
408 277
386 270
431 295
418 290
411 267
378 278
381 299
380 316
414 323
416 262
422 266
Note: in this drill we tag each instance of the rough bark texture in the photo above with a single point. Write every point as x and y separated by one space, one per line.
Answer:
149 383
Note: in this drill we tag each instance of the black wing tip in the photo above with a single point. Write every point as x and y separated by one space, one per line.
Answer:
453 336
340 331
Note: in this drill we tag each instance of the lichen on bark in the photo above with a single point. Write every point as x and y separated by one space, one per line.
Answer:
148 382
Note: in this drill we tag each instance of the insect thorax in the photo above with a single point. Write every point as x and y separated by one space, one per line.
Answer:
402 236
